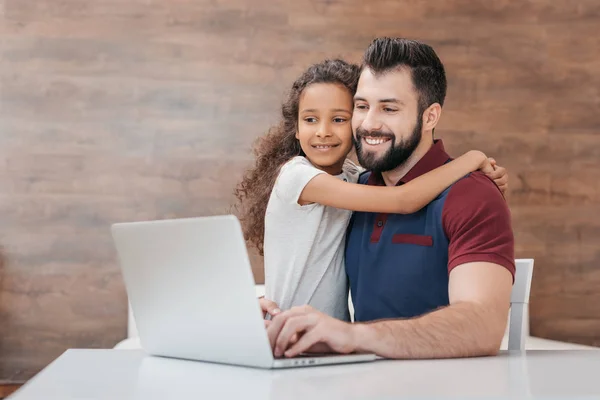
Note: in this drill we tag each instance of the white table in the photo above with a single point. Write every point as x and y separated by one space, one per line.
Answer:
130 374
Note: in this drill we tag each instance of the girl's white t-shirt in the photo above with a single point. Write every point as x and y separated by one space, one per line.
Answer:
304 245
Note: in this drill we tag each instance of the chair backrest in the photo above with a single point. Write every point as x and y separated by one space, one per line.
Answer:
518 325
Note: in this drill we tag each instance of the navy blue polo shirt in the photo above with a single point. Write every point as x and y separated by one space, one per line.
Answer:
399 264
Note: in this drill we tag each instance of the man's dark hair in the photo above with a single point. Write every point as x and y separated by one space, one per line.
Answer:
427 71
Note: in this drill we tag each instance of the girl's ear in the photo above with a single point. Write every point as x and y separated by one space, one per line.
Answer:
297 134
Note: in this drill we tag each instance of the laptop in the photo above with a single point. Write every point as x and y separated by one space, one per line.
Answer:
192 293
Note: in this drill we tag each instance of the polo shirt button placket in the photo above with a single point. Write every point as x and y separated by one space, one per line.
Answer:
379 223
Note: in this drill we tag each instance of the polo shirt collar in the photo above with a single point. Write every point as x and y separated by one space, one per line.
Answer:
434 158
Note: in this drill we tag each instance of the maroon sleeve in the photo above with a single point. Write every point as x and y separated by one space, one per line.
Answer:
477 222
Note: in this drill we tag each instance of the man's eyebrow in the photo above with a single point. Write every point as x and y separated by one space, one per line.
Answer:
388 100
392 100
313 110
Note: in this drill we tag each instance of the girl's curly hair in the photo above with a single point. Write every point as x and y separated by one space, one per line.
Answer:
280 145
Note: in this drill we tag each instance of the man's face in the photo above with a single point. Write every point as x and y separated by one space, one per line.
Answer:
386 122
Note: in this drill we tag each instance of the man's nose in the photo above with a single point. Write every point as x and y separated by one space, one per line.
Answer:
371 122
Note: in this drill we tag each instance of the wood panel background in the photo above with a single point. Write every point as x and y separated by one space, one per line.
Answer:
118 110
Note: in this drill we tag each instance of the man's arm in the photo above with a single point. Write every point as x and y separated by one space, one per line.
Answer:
472 325
477 222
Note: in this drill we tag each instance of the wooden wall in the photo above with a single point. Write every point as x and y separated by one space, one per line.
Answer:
118 110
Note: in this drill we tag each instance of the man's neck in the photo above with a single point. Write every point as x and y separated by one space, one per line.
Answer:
391 178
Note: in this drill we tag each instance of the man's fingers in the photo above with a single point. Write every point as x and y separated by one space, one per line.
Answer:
293 326
274 328
278 322
308 340
294 338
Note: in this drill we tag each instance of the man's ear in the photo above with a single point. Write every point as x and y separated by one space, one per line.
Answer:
431 116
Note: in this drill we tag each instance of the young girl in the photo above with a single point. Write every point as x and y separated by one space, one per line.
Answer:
297 200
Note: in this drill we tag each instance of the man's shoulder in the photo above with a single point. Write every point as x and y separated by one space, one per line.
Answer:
473 195
477 223
475 184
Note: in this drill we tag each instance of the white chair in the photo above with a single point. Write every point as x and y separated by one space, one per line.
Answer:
517 337
518 321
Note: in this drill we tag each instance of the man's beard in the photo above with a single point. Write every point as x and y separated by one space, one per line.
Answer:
394 156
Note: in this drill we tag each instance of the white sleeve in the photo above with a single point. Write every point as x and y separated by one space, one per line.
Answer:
292 179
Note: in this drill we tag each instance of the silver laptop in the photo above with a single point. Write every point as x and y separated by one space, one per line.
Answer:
193 296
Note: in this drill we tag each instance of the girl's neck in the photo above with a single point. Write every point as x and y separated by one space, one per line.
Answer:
334 169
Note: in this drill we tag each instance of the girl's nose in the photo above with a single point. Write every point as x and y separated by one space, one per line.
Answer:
323 130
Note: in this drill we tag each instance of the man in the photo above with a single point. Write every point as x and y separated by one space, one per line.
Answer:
433 284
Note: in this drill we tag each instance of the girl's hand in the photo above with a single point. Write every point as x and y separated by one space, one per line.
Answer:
499 175
486 164
268 307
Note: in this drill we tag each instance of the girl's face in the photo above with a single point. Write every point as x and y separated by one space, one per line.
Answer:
325 125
